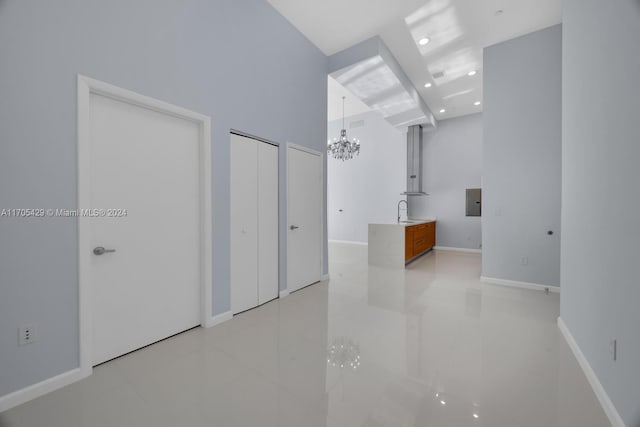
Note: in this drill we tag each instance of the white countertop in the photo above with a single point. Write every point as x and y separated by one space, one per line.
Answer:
407 223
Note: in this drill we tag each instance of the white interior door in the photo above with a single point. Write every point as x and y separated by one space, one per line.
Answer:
304 233
146 162
267 222
244 223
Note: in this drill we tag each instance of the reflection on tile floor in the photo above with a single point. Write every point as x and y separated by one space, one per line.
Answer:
426 346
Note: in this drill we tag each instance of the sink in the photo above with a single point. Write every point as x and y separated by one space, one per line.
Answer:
409 222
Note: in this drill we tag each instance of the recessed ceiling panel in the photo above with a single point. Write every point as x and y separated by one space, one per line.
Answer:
380 84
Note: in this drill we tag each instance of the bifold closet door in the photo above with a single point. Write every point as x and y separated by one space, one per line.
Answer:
244 223
267 222
254 223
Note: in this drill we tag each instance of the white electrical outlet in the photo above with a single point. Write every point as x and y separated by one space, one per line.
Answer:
524 260
27 334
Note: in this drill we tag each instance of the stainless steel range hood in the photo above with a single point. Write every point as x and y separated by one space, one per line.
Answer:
414 162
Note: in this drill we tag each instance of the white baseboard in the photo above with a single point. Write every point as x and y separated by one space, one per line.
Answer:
284 293
614 417
31 392
466 250
517 284
349 242
219 318
324 277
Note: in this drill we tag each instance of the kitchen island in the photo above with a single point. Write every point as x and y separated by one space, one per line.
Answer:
398 244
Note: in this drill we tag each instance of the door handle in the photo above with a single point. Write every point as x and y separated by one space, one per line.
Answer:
293 227
99 250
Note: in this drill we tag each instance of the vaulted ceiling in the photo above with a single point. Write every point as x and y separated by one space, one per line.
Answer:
457 31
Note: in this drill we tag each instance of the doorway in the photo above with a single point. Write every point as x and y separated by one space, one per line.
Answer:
145 244
305 217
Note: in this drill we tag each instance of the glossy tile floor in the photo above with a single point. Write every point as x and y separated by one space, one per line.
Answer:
430 346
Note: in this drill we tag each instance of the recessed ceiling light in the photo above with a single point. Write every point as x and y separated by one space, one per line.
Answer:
428 85
476 416
442 402
471 73
443 110
476 103
423 41
499 12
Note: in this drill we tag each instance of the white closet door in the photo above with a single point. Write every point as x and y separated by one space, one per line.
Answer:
244 223
267 222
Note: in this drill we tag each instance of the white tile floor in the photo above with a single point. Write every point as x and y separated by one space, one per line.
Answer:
436 348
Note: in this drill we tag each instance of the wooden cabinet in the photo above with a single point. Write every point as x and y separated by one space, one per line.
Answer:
408 242
431 234
419 238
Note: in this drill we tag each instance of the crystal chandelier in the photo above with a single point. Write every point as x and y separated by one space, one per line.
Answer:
341 148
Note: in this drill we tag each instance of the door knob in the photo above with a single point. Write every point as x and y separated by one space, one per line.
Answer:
99 250
293 227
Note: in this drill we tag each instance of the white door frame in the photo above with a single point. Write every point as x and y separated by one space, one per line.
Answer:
291 145
86 87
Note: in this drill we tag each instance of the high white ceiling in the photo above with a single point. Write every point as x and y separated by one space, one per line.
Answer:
352 105
458 31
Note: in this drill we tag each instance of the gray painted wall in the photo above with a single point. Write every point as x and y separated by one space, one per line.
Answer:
452 159
239 62
366 188
522 158
600 204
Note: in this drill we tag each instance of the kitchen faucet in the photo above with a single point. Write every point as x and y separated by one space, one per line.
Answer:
407 206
